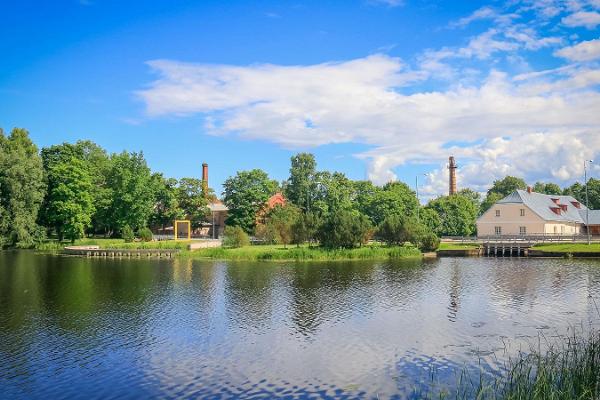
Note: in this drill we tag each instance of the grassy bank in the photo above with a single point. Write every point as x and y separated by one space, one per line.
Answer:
458 246
116 244
569 248
278 252
568 369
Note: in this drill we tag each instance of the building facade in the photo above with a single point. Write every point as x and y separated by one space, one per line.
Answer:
525 212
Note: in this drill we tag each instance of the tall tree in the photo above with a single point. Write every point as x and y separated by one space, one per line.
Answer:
457 213
192 200
396 198
22 189
70 202
507 185
300 187
166 207
547 188
133 192
245 194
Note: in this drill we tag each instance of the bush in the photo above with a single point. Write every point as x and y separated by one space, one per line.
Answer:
145 234
397 231
235 236
345 229
429 242
391 230
127 234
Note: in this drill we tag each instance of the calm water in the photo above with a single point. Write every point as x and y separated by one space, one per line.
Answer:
87 328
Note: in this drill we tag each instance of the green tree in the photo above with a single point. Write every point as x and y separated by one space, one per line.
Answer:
391 230
457 213
245 194
22 189
300 187
363 194
431 219
500 189
333 192
396 198
192 201
577 190
305 228
133 192
281 220
547 188
166 208
235 236
69 201
345 229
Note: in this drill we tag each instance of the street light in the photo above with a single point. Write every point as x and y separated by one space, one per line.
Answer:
587 201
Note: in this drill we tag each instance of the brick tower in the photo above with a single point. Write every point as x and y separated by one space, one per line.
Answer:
452 172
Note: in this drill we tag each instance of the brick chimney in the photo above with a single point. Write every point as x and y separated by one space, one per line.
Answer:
205 178
529 189
452 179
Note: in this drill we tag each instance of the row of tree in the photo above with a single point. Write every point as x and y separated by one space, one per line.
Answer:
70 190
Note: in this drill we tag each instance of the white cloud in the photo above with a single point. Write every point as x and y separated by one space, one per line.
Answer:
517 125
390 3
588 19
584 51
479 14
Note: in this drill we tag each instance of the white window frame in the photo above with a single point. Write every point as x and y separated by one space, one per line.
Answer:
497 213
498 230
522 212
523 230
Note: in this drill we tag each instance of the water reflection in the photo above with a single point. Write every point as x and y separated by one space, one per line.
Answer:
73 327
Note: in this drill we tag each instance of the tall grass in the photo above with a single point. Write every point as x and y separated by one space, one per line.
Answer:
116 244
565 370
258 253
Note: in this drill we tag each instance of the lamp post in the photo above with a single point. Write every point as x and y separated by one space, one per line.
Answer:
587 201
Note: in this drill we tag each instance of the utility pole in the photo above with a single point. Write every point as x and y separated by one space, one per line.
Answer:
587 202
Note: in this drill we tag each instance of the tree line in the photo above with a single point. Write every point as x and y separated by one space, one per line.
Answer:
71 190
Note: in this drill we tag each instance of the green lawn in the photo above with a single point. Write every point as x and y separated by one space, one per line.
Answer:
117 244
278 252
458 246
569 247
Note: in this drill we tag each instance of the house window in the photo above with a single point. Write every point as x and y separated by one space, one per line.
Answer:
498 230
522 212
522 230
497 213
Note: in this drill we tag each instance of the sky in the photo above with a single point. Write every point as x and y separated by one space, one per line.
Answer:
378 89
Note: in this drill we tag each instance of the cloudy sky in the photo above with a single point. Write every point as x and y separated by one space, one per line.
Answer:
378 89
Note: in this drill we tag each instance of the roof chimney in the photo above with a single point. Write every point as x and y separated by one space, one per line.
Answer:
529 189
452 178
205 178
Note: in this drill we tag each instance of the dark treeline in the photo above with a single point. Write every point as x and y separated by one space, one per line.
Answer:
69 191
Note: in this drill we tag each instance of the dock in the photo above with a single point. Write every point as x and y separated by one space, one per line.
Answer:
96 251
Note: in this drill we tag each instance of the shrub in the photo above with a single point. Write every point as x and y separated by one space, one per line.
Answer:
145 234
391 230
429 242
235 236
345 229
127 234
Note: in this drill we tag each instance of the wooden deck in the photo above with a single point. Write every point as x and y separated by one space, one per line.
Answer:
96 251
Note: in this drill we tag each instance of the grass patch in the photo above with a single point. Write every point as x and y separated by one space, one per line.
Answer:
278 252
458 246
568 247
116 244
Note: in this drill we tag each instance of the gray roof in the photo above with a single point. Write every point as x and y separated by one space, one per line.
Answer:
542 205
594 217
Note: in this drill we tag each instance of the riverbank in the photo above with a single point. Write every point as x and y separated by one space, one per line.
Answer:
304 253
577 250
117 244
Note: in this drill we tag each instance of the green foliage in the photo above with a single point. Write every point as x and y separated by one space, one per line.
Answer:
391 230
489 201
457 213
397 230
69 202
345 229
145 234
235 236
192 201
127 234
507 185
431 219
547 188
245 194
305 228
22 190
300 187
133 193
577 190
281 220
396 198
166 208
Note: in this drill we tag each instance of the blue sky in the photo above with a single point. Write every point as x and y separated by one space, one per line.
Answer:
376 89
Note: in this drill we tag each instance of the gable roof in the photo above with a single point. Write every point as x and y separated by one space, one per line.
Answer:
542 205
594 216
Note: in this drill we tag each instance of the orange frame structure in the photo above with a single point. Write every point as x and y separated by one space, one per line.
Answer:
189 229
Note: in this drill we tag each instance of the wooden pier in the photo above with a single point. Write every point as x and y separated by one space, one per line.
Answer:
96 251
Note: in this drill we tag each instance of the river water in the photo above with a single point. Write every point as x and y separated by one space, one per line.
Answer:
98 328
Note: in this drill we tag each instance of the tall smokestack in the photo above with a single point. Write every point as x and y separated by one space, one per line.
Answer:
452 180
205 178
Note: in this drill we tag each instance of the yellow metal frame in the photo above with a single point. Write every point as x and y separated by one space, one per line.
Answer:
189 230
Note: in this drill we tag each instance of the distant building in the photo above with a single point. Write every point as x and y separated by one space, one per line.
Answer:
525 212
278 199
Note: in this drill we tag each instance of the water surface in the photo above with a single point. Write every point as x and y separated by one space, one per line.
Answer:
95 328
